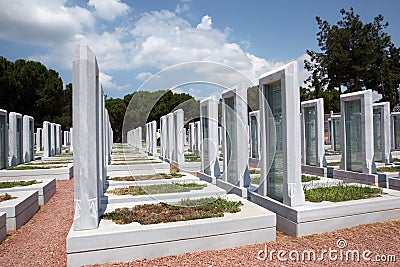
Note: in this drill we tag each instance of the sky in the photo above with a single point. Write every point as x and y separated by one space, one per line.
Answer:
137 42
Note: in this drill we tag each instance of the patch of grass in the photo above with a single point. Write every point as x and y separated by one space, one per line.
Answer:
254 171
341 193
31 167
45 162
306 178
64 155
163 213
192 157
156 189
157 176
17 183
334 163
388 169
255 180
135 162
6 197
396 160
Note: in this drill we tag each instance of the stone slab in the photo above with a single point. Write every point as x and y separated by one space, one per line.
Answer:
115 243
3 226
46 189
358 177
316 218
232 189
20 209
394 183
314 170
63 173
208 191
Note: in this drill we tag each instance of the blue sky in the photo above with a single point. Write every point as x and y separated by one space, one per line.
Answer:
135 39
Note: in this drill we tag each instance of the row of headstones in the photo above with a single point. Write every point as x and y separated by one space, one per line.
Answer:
93 139
172 138
151 137
16 139
49 139
386 131
134 138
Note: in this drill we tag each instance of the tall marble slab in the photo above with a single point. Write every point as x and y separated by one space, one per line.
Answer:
15 138
28 133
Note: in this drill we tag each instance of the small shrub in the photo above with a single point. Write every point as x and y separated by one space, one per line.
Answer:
388 169
334 163
6 197
306 178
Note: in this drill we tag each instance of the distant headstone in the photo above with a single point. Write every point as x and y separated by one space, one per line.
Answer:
357 143
39 139
381 121
254 121
28 138
15 138
395 130
3 139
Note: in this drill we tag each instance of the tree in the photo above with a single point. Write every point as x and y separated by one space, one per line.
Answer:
354 56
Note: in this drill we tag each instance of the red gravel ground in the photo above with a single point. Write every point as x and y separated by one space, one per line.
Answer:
41 242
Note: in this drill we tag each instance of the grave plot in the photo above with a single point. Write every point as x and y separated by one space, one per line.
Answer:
284 191
112 242
20 208
46 188
93 239
33 171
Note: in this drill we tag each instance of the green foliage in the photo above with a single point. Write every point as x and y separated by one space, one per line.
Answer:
388 169
306 178
354 55
163 212
341 193
192 157
29 88
6 197
142 106
157 176
17 183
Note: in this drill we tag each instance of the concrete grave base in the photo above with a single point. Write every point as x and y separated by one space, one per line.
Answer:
314 170
46 189
63 173
232 189
208 191
207 178
115 243
20 209
357 177
317 218
3 226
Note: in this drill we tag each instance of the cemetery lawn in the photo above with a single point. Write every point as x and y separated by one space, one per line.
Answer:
17 183
32 167
341 193
184 211
306 178
388 169
156 189
192 157
148 177
255 180
6 197
334 163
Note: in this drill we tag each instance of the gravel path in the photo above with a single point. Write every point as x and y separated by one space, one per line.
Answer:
41 242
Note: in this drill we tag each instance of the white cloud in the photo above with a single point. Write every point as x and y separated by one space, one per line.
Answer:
143 76
181 8
107 81
205 24
109 9
42 22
